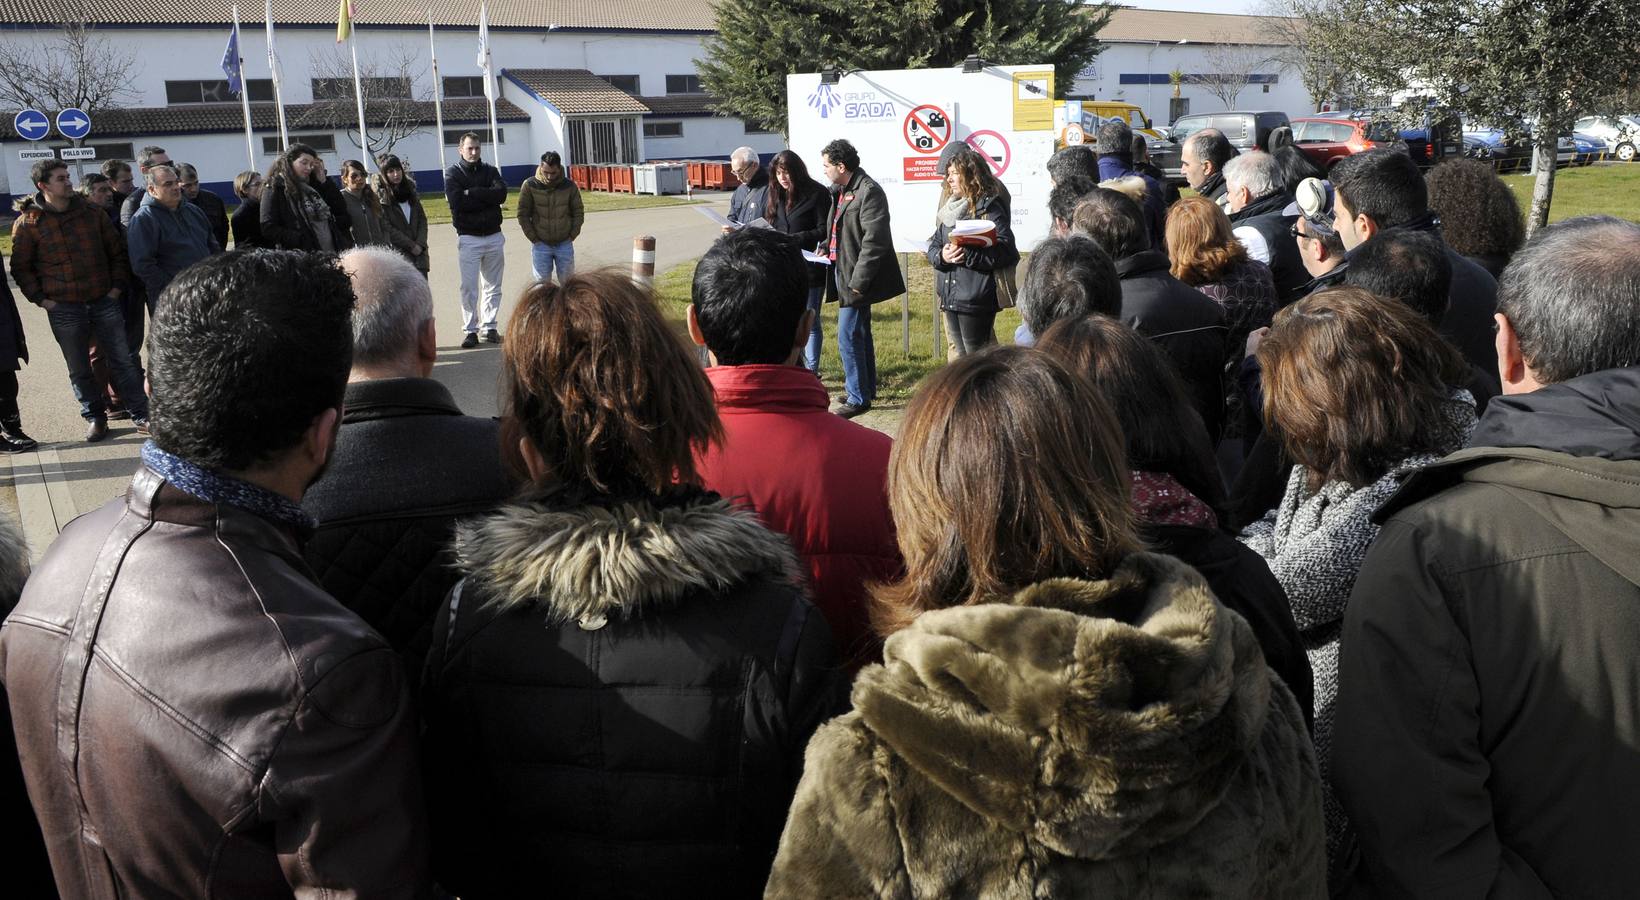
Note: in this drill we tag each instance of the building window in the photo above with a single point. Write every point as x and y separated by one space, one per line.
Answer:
662 129
216 91
684 84
628 83
322 142
342 88
452 136
464 86
757 129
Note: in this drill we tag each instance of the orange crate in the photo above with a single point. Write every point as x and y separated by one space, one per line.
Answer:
718 175
697 173
578 175
620 179
599 177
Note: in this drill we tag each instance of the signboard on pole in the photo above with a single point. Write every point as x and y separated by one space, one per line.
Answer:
77 153
31 125
73 123
29 156
901 120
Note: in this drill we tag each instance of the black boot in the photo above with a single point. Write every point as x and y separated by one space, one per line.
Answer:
12 438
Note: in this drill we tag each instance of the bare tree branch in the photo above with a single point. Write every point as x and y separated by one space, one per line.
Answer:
74 67
1230 67
394 107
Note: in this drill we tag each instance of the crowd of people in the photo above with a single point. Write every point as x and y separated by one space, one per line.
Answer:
1285 552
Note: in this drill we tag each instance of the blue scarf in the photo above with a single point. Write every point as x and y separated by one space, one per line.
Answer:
213 487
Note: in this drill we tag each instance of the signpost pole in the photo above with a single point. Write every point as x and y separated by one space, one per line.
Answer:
905 307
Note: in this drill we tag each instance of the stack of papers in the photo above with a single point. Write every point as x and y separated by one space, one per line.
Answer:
974 233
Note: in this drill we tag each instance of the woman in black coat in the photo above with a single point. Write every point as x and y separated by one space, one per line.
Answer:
13 353
246 222
797 206
295 213
620 690
967 273
1177 491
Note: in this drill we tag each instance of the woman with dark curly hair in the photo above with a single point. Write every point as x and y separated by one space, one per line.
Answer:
1480 217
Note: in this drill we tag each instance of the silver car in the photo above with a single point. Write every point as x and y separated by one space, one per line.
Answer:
1621 133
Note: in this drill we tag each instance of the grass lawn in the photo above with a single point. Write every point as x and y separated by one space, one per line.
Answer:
897 371
438 209
1612 188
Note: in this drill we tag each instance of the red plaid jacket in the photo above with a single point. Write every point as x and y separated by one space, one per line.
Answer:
74 256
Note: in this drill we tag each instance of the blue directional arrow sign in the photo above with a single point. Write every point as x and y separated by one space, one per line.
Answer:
31 125
73 123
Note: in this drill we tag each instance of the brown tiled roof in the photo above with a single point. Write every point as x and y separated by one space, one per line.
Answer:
682 105
575 91
599 15
204 119
1148 25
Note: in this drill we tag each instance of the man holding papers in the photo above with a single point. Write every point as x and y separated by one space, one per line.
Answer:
864 271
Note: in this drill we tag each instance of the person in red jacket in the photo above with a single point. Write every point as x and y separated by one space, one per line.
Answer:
817 478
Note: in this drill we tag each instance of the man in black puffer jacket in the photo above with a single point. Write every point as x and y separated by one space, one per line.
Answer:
1185 322
1259 219
476 192
407 467
1383 189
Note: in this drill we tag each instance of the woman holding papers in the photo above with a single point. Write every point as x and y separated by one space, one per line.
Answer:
973 241
796 205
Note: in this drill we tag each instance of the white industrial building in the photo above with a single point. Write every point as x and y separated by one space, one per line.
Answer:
608 81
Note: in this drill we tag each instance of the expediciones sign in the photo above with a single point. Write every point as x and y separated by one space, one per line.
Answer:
902 120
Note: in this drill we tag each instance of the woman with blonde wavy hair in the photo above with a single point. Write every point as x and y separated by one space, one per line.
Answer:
1208 257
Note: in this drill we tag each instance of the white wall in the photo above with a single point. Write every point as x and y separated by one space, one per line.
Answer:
708 136
1103 81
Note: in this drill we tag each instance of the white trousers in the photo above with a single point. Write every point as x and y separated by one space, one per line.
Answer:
482 261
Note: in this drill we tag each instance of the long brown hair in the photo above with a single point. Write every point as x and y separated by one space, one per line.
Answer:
974 179
603 388
1356 383
1200 242
1009 470
802 184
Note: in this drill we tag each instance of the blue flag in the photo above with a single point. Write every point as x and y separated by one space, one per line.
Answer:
230 61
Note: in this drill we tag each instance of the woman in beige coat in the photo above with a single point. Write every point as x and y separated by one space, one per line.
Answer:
1059 713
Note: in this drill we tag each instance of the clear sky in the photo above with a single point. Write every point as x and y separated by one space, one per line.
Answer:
1244 7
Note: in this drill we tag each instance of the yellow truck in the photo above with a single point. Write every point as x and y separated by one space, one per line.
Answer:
1089 114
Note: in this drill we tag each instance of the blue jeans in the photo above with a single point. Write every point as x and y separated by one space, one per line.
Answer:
73 324
817 337
543 256
859 354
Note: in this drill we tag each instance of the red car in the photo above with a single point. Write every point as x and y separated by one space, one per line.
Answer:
1326 140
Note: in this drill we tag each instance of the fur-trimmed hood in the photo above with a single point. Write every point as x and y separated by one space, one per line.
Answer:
1101 718
583 556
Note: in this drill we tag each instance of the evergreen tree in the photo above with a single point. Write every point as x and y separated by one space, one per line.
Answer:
758 44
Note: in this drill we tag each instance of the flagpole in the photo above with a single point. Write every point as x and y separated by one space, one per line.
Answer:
273 71
244 92
438 93
358 100
489 80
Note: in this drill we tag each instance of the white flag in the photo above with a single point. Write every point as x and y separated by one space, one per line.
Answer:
273 55
484 51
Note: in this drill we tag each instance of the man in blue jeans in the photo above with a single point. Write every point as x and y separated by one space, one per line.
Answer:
68 257
864 271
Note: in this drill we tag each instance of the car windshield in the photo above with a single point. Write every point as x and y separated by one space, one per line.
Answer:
1137 119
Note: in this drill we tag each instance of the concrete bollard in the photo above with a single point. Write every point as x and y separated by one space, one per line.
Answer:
643 261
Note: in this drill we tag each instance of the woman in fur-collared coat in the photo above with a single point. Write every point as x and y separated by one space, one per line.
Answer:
620 690
1058 714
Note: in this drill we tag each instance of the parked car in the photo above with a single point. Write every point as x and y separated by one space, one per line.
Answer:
1330 138
1245 130
1622 133
1589 148
1436 135
1510 154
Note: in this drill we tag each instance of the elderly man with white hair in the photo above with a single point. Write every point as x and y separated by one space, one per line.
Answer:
746 206
407 466
1257 198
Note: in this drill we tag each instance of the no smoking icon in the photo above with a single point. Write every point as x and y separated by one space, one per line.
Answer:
927 129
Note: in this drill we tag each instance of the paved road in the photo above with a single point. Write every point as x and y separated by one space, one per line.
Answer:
67 476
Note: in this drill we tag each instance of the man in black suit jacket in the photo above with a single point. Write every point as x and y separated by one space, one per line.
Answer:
864 271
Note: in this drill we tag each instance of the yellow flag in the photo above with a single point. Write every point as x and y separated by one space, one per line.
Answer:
344 21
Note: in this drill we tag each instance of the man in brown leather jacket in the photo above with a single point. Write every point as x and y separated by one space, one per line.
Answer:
195 716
